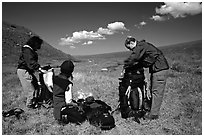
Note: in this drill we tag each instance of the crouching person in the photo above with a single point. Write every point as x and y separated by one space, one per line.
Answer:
62 86
65 110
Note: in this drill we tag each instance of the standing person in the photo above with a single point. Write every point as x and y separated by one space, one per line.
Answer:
27 66
150 57
62 88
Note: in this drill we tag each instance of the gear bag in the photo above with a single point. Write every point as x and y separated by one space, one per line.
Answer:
72 114
97 113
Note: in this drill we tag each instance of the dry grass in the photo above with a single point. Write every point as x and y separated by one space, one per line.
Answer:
181 111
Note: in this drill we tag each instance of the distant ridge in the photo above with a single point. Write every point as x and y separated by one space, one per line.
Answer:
180 47
187 47
14 36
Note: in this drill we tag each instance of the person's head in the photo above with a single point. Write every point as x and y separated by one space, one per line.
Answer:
35 42
66 68
130 43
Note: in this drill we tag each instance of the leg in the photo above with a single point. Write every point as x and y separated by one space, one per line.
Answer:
158 82
26 82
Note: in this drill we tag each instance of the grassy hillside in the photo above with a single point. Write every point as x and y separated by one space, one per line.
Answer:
14 37
181 110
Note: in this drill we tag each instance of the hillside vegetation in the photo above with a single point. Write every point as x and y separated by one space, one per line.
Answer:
14 37
181 110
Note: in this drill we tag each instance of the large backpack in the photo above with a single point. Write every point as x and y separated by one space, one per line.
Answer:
137 98
132 95
97 113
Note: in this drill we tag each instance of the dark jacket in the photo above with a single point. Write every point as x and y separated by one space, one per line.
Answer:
149 56
28 59
60 84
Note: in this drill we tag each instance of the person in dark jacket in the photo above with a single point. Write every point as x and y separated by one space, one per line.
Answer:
27 66
62 88
150 57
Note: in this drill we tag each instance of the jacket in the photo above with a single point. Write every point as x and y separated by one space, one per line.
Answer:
60 85
28 59
149 56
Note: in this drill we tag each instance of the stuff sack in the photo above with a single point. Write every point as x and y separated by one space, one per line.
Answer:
97 113
72 114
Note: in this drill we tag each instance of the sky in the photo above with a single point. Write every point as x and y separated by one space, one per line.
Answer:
86 28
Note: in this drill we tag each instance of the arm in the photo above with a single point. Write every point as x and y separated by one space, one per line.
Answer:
148 83
68 94
135 57
32 64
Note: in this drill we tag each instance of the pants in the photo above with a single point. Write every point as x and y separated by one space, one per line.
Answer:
158 82
29 84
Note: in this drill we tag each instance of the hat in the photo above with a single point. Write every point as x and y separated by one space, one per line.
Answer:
67 67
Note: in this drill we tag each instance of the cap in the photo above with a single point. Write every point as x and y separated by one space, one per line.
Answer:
67 67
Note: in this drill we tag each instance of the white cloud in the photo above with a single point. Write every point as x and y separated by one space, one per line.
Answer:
143 23
158 18
88 43
86 35
117 26
180 9
72 47
77 37
105 31
68 41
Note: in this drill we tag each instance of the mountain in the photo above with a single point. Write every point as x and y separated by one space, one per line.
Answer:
14 37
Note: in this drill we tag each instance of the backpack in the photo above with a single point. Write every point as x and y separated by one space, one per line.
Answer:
43 96
72 114
137 99
132 93
97 113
